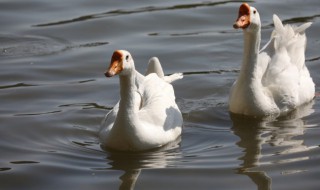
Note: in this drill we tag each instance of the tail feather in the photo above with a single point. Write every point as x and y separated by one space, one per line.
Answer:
279 28
292 39
173 77
154 66
301 29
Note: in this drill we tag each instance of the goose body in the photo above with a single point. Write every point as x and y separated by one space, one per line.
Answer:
274 80
147 115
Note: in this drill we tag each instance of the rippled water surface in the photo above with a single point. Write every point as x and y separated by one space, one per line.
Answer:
54 95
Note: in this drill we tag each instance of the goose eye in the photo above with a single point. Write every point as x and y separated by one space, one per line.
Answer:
127 57
254 12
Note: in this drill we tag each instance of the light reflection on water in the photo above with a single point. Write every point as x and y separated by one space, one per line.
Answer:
279 136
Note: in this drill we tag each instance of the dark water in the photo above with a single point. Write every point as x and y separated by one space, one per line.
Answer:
53 97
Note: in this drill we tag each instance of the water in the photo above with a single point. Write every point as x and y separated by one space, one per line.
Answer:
53 97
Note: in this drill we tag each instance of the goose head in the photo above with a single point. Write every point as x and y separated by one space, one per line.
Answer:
121 63
248 18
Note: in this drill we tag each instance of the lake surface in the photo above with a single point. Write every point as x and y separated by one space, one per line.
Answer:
54 95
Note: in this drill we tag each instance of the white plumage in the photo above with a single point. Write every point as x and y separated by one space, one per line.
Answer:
147 115
275 80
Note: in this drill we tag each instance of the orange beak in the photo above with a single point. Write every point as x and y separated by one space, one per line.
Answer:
116 65
243 20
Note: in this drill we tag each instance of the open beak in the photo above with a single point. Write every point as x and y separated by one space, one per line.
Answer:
243 20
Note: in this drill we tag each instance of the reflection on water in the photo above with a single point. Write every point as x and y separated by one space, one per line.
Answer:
263 143
251 134
133 163
129 179
255 135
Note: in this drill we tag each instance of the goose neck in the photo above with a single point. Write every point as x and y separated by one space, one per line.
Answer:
250 53
127 91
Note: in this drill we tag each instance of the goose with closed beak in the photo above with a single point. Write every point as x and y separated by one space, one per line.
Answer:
274 80
147 116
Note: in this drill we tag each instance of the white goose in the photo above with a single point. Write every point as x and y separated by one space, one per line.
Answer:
275 80
147 115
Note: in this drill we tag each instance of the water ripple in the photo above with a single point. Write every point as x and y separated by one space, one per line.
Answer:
24 162
135 11
87 106
17 46
221 71
39 113
293 20
17 85
4 169
301 19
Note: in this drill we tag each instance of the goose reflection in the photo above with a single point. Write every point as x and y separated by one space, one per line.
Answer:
276 137
133 163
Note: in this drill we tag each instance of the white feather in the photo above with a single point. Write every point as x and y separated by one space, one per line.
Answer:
280 81
154 119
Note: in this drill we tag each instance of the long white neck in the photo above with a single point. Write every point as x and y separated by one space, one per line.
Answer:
128 89
248 71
